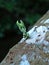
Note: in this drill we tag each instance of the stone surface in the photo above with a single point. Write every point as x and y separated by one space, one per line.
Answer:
33 52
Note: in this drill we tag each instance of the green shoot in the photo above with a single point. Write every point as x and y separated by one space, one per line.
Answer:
22 28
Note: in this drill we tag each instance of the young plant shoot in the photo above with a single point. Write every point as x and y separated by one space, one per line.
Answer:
22 28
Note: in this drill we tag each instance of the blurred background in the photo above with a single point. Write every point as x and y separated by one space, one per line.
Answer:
29 11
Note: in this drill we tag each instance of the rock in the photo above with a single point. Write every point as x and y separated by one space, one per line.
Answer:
31 51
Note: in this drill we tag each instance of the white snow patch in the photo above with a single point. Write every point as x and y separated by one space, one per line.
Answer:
41 29
32 30
47 21
40 41
37 36
24 57
22 40
45 42
30 41
24 60
32 35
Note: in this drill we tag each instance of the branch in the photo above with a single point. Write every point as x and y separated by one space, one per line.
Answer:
14 55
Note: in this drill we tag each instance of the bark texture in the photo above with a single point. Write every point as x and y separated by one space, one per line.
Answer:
37 54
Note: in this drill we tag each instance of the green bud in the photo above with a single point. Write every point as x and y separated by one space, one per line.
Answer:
22 28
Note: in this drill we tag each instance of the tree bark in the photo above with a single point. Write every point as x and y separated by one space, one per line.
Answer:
12 57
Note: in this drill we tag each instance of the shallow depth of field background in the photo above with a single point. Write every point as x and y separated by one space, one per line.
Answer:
12 10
